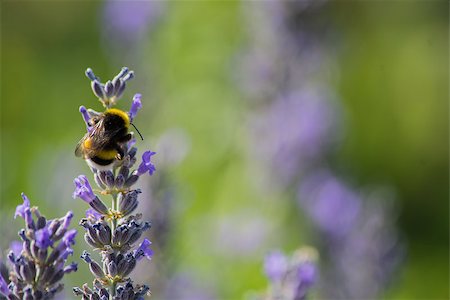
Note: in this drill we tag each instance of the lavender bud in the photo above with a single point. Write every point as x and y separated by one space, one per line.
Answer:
129 202
109 179
42 254
29 219
131 180
109 89
120 180
98 89
124 171
53 227
103 234
91 241
128 266
99 206
56 277
112 268
90 74
122 72
128 76
96 269
71 268
48 273
41 223
121 88
26 273
99 181
132 152
117 82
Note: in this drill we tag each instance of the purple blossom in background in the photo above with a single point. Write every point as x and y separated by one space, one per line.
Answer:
37 265
364 256
125 23
275 265
291 278
332 206
298 129
293 132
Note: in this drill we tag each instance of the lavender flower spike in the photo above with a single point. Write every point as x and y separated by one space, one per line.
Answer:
36 270
83 189
115 231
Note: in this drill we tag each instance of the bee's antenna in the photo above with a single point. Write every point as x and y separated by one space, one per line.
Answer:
137 131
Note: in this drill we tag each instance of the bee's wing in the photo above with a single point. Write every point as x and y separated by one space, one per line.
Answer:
96 141
79 148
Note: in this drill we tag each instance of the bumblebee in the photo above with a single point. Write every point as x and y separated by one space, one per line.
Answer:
105 143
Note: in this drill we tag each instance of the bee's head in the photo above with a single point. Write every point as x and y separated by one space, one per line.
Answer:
116 118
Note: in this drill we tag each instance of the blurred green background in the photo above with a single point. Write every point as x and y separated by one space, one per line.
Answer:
393 82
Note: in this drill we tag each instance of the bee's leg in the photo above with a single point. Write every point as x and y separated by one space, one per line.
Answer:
120 152
121 148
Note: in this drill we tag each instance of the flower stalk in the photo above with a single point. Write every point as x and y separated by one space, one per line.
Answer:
114 231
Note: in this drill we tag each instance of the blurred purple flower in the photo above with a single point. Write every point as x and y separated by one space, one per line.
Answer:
331 205
287 71
358 236
275 265
292 277
298 129
126 22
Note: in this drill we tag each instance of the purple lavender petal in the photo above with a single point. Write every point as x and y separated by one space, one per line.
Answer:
66 220
86 117
146 164
83 189
92 213
69 237
43 240
135 106
73 267
20 209
144 250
